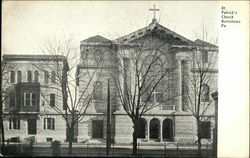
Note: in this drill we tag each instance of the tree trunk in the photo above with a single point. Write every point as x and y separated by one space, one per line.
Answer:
199 146
71 137
199 138
134 153
2 130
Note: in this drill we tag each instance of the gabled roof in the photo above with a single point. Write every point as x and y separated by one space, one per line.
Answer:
97 39
142 32
199 42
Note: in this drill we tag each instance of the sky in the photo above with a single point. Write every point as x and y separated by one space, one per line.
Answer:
25 25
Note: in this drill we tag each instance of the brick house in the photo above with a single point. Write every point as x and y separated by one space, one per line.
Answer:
31 91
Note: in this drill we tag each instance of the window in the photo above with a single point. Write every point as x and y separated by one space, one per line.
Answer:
46 77
14 123
205 93
49 123
30 99
147 94
33 99
98 56
53 77
19 76
12 100
27 99
36 76
29 79
204 57
158 93
97 128
158 97
52 100
204 130
97 90
12 76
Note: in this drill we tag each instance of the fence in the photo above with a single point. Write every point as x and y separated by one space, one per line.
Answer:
17 148
143 150
86 149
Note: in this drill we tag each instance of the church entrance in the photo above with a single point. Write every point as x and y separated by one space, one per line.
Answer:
167 130
141 128
154 128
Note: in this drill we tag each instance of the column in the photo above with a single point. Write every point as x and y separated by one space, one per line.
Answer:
148 134
186 77
179 90
161 137
120 78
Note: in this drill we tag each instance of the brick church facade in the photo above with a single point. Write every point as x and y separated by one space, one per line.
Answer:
170 121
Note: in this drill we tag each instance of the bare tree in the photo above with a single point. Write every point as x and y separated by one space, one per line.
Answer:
196 85
75 102
5 81
145 76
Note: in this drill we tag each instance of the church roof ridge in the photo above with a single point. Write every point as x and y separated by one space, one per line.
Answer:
141 32
97 39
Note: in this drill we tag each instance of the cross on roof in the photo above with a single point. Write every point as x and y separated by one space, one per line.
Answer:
154 10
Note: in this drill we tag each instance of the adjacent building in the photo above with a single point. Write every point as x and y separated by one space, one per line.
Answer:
31 90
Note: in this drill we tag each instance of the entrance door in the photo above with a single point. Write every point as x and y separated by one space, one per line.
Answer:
154 128
167 130
31 126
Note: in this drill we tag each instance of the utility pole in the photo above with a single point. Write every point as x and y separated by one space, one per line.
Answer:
108 139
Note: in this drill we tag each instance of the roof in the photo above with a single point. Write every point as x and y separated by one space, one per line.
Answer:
34 57
199 42
154 25
97 39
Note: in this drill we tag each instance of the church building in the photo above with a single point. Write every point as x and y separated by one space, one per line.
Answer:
171 118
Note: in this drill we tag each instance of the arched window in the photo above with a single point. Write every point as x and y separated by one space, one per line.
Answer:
153 71
167 129
98 56
12 76
205 93
29 78
141 128
53 77
19 76
36 76
154 128
97 90
46 77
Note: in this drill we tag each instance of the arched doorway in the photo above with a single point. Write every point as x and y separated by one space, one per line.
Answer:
141 128
154 128
167 130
